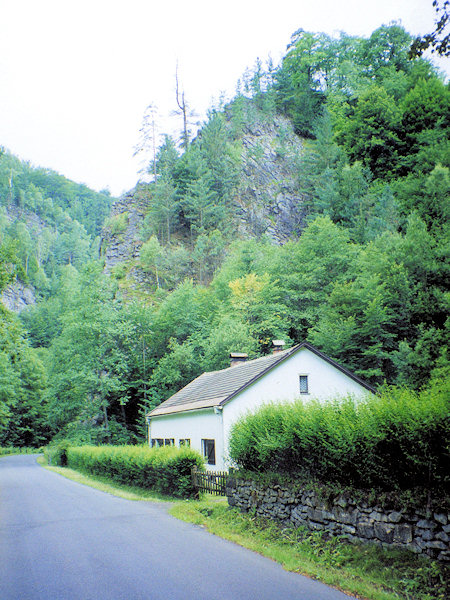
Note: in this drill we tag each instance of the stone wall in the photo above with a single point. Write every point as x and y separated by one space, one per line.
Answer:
418 531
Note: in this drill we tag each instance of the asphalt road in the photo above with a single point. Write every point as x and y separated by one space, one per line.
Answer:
60 540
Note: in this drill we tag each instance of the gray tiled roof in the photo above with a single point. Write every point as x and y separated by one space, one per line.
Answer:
217 387
214 388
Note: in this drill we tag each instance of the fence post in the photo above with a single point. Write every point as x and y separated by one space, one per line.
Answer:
195 482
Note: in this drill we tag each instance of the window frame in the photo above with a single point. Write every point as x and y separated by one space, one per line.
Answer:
305 377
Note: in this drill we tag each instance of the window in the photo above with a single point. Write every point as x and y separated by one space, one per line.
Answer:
209 451
185 442
303 384
158 442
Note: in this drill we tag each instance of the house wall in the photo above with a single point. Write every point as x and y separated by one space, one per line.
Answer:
282 384
193 425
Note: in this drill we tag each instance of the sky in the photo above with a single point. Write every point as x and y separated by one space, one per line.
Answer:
77 75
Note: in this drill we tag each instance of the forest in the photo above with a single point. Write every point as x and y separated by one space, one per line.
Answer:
363 277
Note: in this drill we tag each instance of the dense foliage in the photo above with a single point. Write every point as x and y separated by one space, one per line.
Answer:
365 278
165 470
396 441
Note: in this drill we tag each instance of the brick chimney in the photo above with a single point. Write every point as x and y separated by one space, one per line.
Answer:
237 358
277 346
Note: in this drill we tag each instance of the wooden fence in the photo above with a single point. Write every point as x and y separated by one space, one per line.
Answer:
213 482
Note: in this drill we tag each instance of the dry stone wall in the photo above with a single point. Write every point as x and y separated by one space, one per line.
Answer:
419 531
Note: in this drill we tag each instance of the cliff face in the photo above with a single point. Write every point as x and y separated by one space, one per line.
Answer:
268 202
120 237
18 296
121 241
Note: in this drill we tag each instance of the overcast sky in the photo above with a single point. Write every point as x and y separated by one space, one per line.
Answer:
77 75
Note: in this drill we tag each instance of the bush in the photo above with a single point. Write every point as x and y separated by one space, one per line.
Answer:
56 454
398 440
165 470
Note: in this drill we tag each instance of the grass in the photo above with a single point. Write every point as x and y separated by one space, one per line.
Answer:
104 484
365 571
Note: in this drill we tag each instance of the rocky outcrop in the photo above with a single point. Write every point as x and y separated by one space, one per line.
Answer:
120 237
18 296
421 531
31 219
121 241
268 201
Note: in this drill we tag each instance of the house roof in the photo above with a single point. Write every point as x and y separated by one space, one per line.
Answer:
218 387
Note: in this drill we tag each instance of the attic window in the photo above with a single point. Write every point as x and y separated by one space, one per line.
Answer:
303 379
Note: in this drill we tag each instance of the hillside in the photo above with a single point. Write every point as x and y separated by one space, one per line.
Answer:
264 201
313 205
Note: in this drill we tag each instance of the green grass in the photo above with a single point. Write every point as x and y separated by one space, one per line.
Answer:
104 484
365 571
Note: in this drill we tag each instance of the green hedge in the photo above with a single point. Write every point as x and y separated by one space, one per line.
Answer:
398 440
165 470
19 450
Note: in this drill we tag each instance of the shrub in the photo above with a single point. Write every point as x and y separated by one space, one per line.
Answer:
165 470
117 223
56 454
397 440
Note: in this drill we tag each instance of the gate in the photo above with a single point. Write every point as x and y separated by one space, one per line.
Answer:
212 482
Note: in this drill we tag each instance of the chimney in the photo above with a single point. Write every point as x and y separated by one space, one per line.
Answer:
237 358
277 346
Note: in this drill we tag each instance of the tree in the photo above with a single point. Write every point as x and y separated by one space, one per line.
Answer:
149 139
437 40
183 110
301 80
370 132
149 256
425 119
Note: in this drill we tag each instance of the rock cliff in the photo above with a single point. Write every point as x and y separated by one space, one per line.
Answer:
268 201
18 296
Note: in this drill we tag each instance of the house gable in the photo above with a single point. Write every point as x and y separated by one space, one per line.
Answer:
216 388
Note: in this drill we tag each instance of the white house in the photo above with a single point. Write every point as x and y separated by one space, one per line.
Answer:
201 414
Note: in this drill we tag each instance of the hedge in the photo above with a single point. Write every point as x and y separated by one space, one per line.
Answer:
398 440
165 470
19 450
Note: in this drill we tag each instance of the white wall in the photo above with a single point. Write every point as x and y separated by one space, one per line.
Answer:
194 425
282 384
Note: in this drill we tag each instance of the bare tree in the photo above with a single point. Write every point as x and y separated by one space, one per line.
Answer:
183 110
149 139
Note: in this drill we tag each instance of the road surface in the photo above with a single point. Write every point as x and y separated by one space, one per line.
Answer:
60 540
